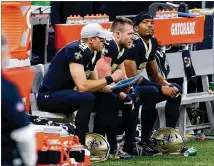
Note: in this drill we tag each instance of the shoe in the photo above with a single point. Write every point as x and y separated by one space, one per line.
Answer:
184 149
133 149
137 139
148 148
119 154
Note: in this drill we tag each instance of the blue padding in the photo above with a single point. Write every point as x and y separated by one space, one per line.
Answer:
127 82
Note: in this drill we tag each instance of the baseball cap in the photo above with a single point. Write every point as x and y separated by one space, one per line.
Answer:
94 30
140 17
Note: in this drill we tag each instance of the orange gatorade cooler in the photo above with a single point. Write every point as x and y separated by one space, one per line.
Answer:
179 30
17 29
66 33
22 77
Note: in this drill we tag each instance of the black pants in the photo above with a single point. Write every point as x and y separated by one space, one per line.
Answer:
129 122
149 97
106 108
68 101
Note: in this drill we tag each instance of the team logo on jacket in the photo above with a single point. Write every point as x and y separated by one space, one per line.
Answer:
104 51
78 55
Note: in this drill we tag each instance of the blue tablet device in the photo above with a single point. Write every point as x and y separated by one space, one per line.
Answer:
127 82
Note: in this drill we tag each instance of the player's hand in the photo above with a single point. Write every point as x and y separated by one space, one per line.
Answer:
118 75
107 89
178 93
170 91
128 100
127 89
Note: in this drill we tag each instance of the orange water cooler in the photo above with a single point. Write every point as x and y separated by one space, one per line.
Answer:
17 29
170 31
65 33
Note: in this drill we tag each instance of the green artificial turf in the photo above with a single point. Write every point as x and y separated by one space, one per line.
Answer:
205 157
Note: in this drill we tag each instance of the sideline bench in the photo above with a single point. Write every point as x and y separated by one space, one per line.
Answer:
40 71
203 62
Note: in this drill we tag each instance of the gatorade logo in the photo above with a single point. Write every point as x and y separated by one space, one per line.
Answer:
187 28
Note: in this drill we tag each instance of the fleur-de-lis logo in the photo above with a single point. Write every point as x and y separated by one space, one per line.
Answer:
78 55
104 51
92 144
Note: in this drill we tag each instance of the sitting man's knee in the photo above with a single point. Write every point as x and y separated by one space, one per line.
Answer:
112 98
154 90
149 89
89 97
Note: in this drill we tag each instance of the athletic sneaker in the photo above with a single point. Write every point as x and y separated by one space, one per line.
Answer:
119 154
184 149
148 148
133 149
